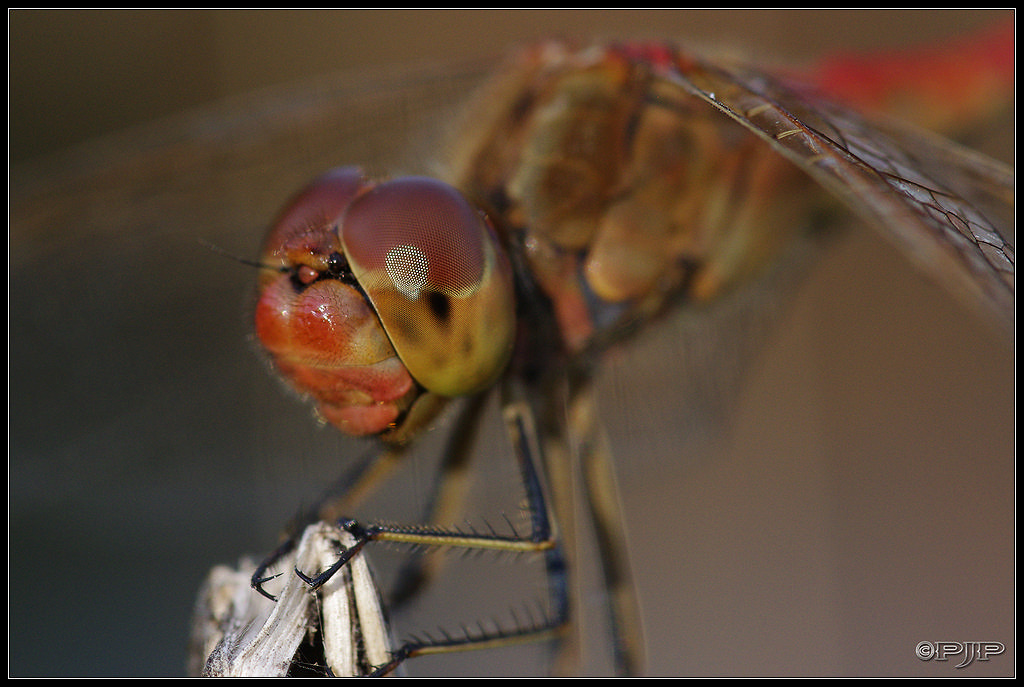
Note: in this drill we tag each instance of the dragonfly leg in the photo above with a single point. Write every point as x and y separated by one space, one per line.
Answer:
344 495
602 500
357 484
447 503
259 577
522 433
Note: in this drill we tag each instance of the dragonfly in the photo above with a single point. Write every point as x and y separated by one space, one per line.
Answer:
592 189
126 205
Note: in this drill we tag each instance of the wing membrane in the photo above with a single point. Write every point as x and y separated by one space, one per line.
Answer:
945 206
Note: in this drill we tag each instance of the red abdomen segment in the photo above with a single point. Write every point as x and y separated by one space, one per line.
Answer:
944 88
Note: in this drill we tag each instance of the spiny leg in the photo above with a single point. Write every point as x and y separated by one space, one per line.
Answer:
363 479
343 496
447 500
523 435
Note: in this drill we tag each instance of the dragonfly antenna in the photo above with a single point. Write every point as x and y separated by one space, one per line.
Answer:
238 258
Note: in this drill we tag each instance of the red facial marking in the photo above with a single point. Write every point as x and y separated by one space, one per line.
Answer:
324 337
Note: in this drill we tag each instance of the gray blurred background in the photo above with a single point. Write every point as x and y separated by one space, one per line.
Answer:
857 500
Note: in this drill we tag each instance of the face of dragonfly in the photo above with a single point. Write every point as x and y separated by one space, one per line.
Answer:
879 505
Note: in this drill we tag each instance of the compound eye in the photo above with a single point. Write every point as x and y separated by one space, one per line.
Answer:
433 269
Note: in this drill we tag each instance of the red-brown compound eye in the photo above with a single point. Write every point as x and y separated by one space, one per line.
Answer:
304 235
433 269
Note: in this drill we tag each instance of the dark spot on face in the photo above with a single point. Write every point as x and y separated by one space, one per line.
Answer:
439 305
337 267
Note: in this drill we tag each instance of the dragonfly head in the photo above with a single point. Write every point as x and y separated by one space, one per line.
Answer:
377 291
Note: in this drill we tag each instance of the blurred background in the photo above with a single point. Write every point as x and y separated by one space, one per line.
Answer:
857 500
78 74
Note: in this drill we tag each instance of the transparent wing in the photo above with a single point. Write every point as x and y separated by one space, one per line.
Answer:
226 168
948 208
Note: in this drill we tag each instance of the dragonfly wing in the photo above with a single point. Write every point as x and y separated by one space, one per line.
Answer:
942 204
222 170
